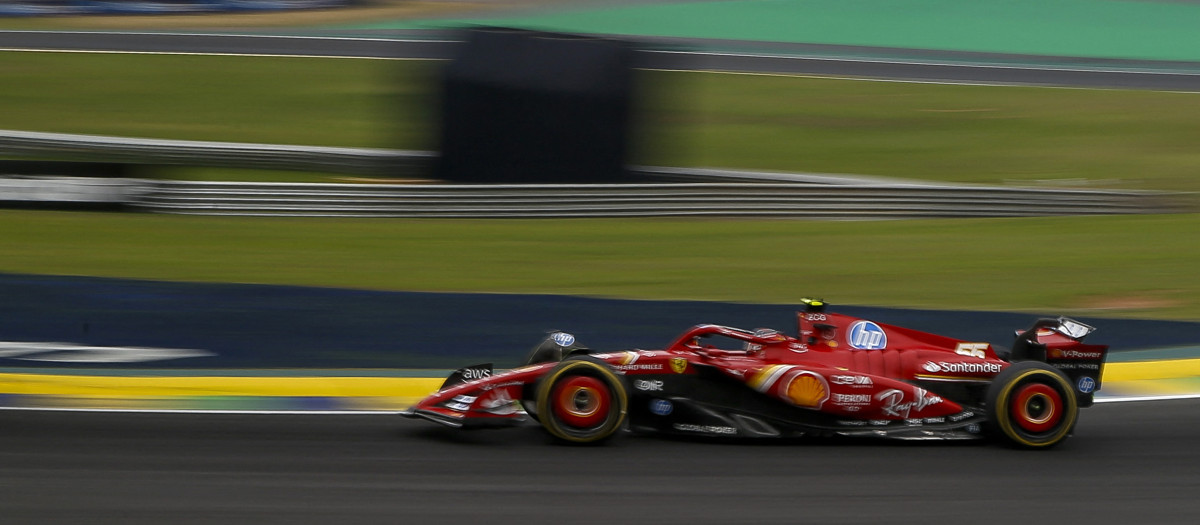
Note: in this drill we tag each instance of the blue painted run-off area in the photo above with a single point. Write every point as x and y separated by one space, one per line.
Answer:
256 326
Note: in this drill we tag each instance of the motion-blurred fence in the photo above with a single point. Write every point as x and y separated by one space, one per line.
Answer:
797 200
674 192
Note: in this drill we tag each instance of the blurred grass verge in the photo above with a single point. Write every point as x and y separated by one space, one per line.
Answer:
1119 266
984 134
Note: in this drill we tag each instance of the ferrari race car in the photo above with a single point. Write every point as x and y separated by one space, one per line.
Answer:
840 375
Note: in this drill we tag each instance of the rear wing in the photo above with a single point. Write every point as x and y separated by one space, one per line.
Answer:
1059 343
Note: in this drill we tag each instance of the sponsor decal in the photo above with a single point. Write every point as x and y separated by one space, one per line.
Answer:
1086 385
934 420
852 423
485 388
764 378
961 368
961 416
661 407
472 374
704 429
852 399
894 404
648 385
807 390
499 402
799 348
865 335
460 403
856 381
973 428
1057 353
563 339
638 366
1076 366
972 349
679 364
815 317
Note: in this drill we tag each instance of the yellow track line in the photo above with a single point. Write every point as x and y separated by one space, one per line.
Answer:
164 386
1151 370
394 387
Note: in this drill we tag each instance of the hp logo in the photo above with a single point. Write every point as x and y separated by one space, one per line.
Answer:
865 335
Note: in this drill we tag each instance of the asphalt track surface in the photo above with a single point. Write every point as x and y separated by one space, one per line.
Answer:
674 54
1127 463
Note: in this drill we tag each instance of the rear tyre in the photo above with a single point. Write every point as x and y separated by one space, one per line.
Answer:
582 401
1031 405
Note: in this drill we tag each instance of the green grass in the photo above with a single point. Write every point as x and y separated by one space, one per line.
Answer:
1141 266
1120 139
333 102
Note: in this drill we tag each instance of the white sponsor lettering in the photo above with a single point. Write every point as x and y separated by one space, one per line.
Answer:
639 366
648 386
959 417
985 367
850 380
852 399
799 348
705 429
499 403
471 374
894 404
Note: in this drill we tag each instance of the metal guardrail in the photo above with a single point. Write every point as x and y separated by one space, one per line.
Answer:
632 200
97 148
752 195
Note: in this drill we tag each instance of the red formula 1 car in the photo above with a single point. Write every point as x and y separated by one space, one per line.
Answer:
840 376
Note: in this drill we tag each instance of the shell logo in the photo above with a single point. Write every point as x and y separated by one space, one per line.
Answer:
807 390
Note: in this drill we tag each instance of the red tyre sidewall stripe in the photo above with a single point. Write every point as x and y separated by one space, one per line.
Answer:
1025 420
564 401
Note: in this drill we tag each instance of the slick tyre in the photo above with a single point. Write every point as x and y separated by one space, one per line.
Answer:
582 401
1031 405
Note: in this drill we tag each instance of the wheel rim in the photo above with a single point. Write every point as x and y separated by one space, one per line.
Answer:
1037 408
581 402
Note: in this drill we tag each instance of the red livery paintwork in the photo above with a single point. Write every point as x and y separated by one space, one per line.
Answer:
839 375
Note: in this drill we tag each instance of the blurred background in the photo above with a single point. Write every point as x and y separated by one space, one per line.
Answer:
237 207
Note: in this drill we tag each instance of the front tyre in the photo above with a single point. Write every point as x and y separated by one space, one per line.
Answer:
1032 405
582 401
